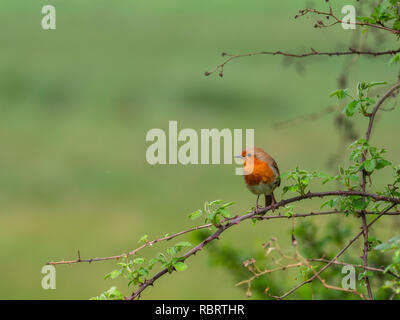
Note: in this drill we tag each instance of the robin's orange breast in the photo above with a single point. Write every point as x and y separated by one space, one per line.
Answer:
257 173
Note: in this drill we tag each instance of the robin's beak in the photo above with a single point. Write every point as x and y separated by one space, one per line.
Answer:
240 157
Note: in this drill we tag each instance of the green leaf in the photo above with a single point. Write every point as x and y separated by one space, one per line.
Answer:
143 238
383 246
225 213
367 19
180 266
184 244
139 260
215 202
370 165
396 25
351 108
116 273
195 215
394 239
381 163
143 271
227 205
359 204
388 268
373 84
365 274
152 262
110 294
394 59
354 177
324 204
172 251
340 93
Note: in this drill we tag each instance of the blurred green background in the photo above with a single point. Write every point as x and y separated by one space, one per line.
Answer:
76 104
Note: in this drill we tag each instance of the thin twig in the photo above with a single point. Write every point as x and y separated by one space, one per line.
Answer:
133 252
388 94
313 52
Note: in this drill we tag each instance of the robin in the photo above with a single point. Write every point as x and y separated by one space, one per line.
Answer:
261 174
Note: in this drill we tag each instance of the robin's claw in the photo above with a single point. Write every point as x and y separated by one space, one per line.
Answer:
274 207
258 210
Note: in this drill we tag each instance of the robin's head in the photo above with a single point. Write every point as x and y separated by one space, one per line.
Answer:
253 153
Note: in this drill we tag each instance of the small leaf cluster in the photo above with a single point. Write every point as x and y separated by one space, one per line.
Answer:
302 179
288 210
110 294
374 159
213 212
132 269
304 273
384 13
362 102
362 157
347 177
136 272
170 261
349 204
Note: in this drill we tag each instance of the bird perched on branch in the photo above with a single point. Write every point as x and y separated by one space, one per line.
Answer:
261 174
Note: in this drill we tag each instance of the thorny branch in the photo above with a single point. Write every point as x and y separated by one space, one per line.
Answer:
313 52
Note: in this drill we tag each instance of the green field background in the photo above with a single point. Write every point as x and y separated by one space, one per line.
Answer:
76 104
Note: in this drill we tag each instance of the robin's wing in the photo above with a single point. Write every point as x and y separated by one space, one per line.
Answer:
277 170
